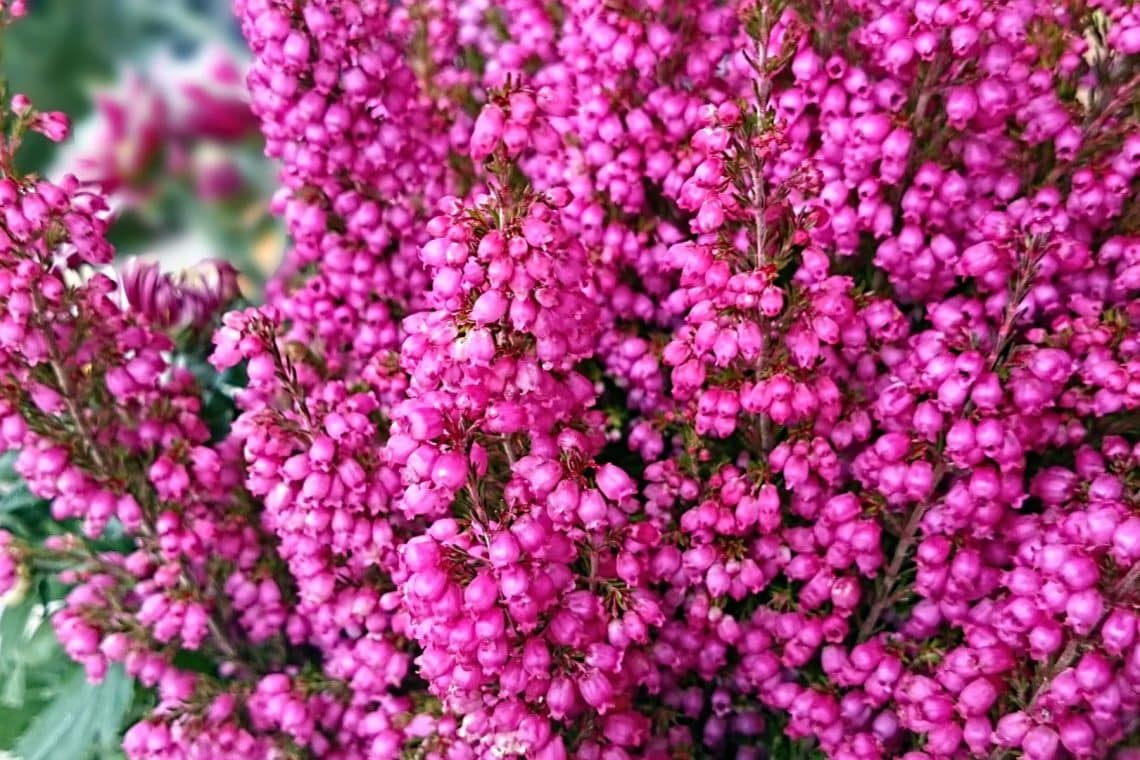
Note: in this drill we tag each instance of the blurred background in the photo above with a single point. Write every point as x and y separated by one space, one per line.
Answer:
155 90
156 93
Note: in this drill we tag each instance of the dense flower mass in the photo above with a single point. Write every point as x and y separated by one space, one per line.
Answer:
648 379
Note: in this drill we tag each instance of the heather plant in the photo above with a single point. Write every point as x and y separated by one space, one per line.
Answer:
645 379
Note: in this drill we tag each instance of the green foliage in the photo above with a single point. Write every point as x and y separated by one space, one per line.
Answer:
81 721
21 513
48 710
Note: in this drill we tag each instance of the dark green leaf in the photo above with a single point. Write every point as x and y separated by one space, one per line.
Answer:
18 498
198 662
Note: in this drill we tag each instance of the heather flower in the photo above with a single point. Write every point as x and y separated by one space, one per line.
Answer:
640 382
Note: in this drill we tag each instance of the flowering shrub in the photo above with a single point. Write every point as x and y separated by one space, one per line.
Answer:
646 379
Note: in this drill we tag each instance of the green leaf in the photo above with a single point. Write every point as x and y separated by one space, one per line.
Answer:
65 728
8 468
15 686
14 493
195 661
13 624
13 721
82 718
18 498
117 692
42 645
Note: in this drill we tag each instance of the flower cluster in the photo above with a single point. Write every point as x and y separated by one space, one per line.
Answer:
646 379
191 298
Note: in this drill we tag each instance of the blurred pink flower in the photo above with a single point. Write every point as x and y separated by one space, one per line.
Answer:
189 298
